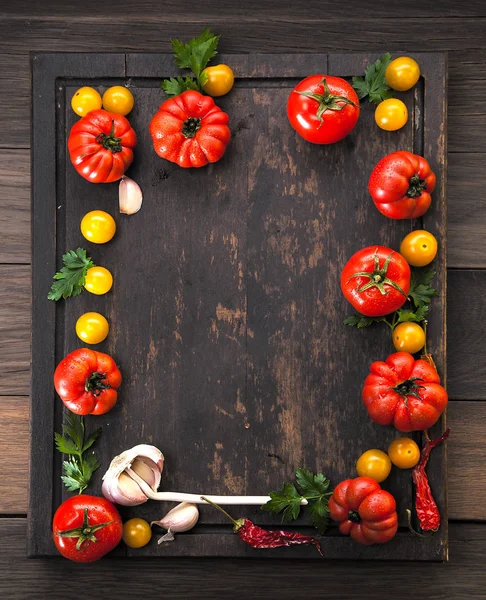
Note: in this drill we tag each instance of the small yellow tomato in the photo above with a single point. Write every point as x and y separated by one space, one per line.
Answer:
92 328
402 73
375 464
220 80
98 226
98 280
84 100
118 99
419 248
404 453
408 337
136 533
391 114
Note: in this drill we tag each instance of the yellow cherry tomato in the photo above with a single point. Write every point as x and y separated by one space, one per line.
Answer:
98 280
408 337
118 99
419 248
402 73
136 533
404 453
92 328
391 114
84 100
375 464
220 80
98 226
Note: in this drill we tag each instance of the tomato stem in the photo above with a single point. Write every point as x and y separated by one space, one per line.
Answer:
110 142
417 186
377 277
327 101
190 127
354 517
85 533
96 382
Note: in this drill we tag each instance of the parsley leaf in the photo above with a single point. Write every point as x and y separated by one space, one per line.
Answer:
373 85
308 486
360 321
193 55
176 85
421 291
79 468
405 315
69 281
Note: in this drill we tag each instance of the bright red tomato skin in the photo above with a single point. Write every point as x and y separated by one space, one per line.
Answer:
73 373
364 511
70 515
371 302
391 181
406 411
335 124
206 144
91 159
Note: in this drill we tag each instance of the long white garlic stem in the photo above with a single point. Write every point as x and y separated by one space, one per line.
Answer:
196 498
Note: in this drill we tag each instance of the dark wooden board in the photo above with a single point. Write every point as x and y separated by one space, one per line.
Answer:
226 311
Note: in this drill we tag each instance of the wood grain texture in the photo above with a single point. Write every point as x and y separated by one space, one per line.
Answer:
14 449
14 206
15 294
463 579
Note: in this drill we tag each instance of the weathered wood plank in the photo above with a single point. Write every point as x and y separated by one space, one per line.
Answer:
14 449
462 579
14 206
466 239
15 294
466 358
229 11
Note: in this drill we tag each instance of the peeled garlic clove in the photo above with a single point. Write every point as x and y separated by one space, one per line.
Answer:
129 196
118 486
181 518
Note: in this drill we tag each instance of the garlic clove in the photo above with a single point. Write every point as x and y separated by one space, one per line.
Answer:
146 461
129 196
181 518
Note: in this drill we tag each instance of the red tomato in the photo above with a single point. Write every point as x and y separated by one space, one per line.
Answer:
376 281
401 184
364 511
190 130
87 382
85 528
404 392
323 109
101 146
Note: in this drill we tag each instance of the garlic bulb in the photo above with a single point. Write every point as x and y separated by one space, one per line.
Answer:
134 476
146 462
129 196
181 518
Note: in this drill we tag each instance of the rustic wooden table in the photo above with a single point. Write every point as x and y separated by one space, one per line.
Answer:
271 26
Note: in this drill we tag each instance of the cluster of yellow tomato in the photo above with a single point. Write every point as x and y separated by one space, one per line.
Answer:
418 248
117 99
403 452
97 227
401 75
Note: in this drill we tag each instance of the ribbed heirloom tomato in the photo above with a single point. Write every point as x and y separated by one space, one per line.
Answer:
323 109
401 184
364 511
101 146
404 392
190 130
87 382
376 281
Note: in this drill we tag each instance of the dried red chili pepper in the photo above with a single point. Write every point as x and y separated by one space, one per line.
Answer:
256 537
427 511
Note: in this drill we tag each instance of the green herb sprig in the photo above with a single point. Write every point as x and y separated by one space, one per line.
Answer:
193 55
373 85
70 280
313 488
79 467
